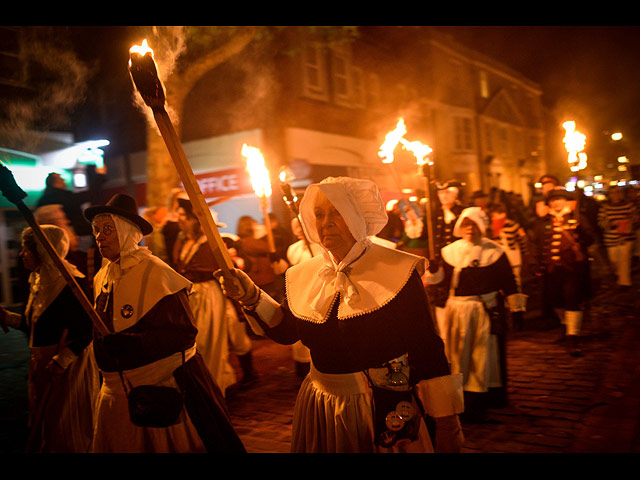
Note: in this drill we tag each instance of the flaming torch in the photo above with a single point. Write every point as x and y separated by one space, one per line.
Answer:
424 162
421 152
261 185
144 74
574 142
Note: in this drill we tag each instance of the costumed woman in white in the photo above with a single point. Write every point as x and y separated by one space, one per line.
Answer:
214 314
61 350
477 273
357 306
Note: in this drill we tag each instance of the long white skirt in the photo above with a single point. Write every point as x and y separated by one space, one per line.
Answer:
115 433
469 345
209 306
333 414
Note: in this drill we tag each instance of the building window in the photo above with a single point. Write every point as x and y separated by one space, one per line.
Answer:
359 94
484 84
342 76
373 91
463 134
314 73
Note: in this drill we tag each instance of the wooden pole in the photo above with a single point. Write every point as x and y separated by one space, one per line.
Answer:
200 208
426 167
267 223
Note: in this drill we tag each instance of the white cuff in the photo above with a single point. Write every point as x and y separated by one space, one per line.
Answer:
266 310
433 278
442 396
517 302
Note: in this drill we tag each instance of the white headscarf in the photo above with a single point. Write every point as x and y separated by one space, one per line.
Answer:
47 283
358 202
131 253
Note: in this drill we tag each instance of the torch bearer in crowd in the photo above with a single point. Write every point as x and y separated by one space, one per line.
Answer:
261 186
15 195
144 74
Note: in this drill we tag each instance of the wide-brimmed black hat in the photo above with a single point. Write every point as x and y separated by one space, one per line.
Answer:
558 192
450 183
123 205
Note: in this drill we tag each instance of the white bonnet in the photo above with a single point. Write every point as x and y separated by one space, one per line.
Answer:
58 238
476 214
357 200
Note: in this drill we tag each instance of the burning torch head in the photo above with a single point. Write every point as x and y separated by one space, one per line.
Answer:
9 187
144 74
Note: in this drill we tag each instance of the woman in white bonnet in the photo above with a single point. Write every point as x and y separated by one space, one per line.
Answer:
62 361
357 306
478 274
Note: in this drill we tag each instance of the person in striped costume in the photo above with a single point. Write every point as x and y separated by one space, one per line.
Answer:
618 219
510 235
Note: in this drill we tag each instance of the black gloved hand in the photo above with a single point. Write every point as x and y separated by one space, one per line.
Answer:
434 264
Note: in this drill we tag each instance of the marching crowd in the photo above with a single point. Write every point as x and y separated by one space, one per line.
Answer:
397 321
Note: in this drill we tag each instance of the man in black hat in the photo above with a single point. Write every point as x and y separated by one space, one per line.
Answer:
562 238
144 303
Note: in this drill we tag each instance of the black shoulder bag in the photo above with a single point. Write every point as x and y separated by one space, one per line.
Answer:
153 405
397 410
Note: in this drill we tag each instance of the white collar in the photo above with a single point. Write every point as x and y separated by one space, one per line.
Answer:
365 282
462 254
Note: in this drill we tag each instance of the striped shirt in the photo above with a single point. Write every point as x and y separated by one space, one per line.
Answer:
618 223
510 235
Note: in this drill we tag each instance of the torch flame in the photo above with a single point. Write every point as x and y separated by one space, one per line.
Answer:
574 143
257 170
420 150
391 141
141 49
394 137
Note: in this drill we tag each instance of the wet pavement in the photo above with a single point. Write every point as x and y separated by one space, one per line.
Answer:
557 403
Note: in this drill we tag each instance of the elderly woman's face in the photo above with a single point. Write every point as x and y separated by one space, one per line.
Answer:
332 230
470 230
104 229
